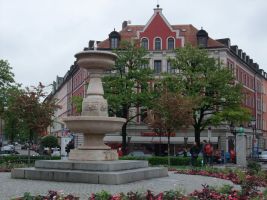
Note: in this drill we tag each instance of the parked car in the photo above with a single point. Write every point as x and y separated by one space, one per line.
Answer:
263 156
8 147
139 154
8 152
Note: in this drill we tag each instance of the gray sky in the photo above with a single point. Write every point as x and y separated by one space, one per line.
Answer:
40 37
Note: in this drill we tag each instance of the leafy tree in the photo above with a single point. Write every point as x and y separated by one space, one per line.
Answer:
49 141
220 97
33 109
11 121
6 80
128 87
77 102
170 111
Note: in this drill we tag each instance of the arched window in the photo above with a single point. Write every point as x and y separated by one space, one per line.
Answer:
157 44
144 43
170 43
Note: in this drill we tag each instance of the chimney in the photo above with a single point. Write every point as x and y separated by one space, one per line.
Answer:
124 24
91 44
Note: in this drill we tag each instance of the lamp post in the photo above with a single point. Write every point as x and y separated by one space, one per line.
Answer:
253 125
209 134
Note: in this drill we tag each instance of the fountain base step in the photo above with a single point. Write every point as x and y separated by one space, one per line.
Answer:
93 154
95 172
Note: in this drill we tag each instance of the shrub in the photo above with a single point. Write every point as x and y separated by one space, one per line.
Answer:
225 189
20 159
254 167
49 141
159 160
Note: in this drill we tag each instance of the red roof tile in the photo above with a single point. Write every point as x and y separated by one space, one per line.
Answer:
187 31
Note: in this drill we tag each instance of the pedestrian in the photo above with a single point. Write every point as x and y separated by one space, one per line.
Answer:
205 159
232 156
208 151
185 152
69 146
194 151
120 153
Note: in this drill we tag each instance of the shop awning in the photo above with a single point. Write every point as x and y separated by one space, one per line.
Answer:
156 140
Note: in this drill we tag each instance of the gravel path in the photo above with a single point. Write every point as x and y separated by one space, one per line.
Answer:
10 188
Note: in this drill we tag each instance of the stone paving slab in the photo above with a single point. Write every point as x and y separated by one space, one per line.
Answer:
10 188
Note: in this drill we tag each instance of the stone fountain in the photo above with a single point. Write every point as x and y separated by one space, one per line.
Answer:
94 162
94 122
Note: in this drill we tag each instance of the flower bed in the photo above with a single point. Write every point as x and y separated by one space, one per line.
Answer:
52 195
231 176
207 193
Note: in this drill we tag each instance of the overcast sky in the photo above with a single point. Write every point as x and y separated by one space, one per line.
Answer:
40 37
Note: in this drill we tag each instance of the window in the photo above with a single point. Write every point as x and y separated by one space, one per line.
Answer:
144 43
144 66
170 69
114 43
157 44
170 43
157 66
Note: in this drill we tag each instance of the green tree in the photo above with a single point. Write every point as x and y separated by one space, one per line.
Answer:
49 141
6 80
170 112
220 97
128 87
33 110
77 102
12 123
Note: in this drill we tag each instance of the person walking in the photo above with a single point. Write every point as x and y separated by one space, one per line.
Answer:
205 158
208 151
194 151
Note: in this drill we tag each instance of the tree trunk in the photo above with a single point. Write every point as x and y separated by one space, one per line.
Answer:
197 136
124 143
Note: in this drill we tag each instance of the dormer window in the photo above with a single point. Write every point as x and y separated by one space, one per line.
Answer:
170 43
114 43
144 43
202 38
157 44
114 39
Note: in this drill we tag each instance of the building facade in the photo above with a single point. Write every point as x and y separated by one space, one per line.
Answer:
160 38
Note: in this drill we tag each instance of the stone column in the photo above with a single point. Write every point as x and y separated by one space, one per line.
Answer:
241 155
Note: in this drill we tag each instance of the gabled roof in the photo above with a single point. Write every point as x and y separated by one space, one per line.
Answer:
187 31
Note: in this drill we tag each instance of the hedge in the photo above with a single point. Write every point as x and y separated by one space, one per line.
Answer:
159 160
24 158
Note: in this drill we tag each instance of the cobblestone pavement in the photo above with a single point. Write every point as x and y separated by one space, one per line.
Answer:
10 188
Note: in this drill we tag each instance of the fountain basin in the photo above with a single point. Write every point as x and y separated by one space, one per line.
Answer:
91 59
94 124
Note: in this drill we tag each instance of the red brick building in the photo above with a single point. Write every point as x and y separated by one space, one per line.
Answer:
160 39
